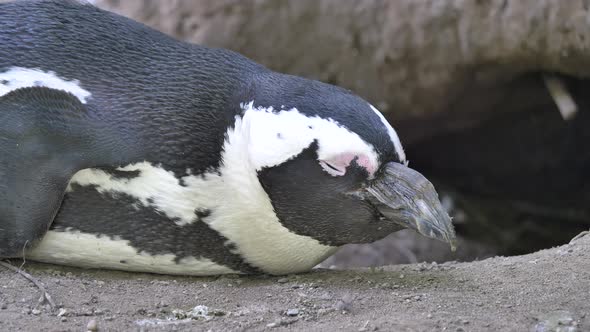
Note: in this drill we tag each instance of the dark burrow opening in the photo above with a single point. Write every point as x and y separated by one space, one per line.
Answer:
515 174
520 180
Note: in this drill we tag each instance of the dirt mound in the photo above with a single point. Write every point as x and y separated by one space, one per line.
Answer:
540 292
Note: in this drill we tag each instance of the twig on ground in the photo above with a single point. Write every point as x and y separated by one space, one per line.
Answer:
44 295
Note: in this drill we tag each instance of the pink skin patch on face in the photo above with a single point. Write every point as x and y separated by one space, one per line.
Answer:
337 166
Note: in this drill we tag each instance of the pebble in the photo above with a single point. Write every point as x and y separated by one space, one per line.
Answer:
556 321
293 312
63 319
3 306
282 280
36 311
345 304
324 311
92 326
62 312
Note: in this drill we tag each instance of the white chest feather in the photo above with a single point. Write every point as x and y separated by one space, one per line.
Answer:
240 211
89 250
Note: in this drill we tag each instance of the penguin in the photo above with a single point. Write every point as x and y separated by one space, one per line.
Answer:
123 148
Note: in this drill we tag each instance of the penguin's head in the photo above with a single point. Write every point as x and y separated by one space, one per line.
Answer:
332 166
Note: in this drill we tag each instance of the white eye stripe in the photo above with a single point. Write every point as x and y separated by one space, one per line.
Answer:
392 135
275 137
332 169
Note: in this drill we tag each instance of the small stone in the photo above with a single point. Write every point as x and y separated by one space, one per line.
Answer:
272 325
92 326
3 306
465 322
35 312
293 312
282 280
62 312
345 304
63 319
429 316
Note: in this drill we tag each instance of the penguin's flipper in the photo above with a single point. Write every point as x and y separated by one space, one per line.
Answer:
42 141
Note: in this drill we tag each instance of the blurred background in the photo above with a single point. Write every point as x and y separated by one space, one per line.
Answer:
472 88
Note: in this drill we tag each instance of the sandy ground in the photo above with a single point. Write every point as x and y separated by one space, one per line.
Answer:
544 291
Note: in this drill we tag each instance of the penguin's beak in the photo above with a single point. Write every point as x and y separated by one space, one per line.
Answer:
407 198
